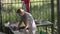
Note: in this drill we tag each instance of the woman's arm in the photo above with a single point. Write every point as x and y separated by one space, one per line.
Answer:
27 24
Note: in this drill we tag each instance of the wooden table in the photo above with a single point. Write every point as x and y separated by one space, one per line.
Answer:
44 23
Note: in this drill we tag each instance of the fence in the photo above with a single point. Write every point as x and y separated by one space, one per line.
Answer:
40 9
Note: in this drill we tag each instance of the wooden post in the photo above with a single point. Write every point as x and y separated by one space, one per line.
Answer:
58 16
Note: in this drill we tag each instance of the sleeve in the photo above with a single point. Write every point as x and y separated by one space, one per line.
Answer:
27 21
27 17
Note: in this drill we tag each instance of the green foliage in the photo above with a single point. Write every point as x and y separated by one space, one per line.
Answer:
12 17
39 10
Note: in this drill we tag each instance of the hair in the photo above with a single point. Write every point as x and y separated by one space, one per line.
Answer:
18 11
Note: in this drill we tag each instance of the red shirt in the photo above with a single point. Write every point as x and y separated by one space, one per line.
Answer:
26 1
27 4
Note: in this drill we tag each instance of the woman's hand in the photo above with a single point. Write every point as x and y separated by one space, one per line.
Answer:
26 27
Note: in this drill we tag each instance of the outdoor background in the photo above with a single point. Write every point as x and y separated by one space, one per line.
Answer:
40 10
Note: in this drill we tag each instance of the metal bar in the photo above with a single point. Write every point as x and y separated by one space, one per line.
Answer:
58 14
39 1
52 15
21 2
12 3
1 29
46 30
0 11
52 30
